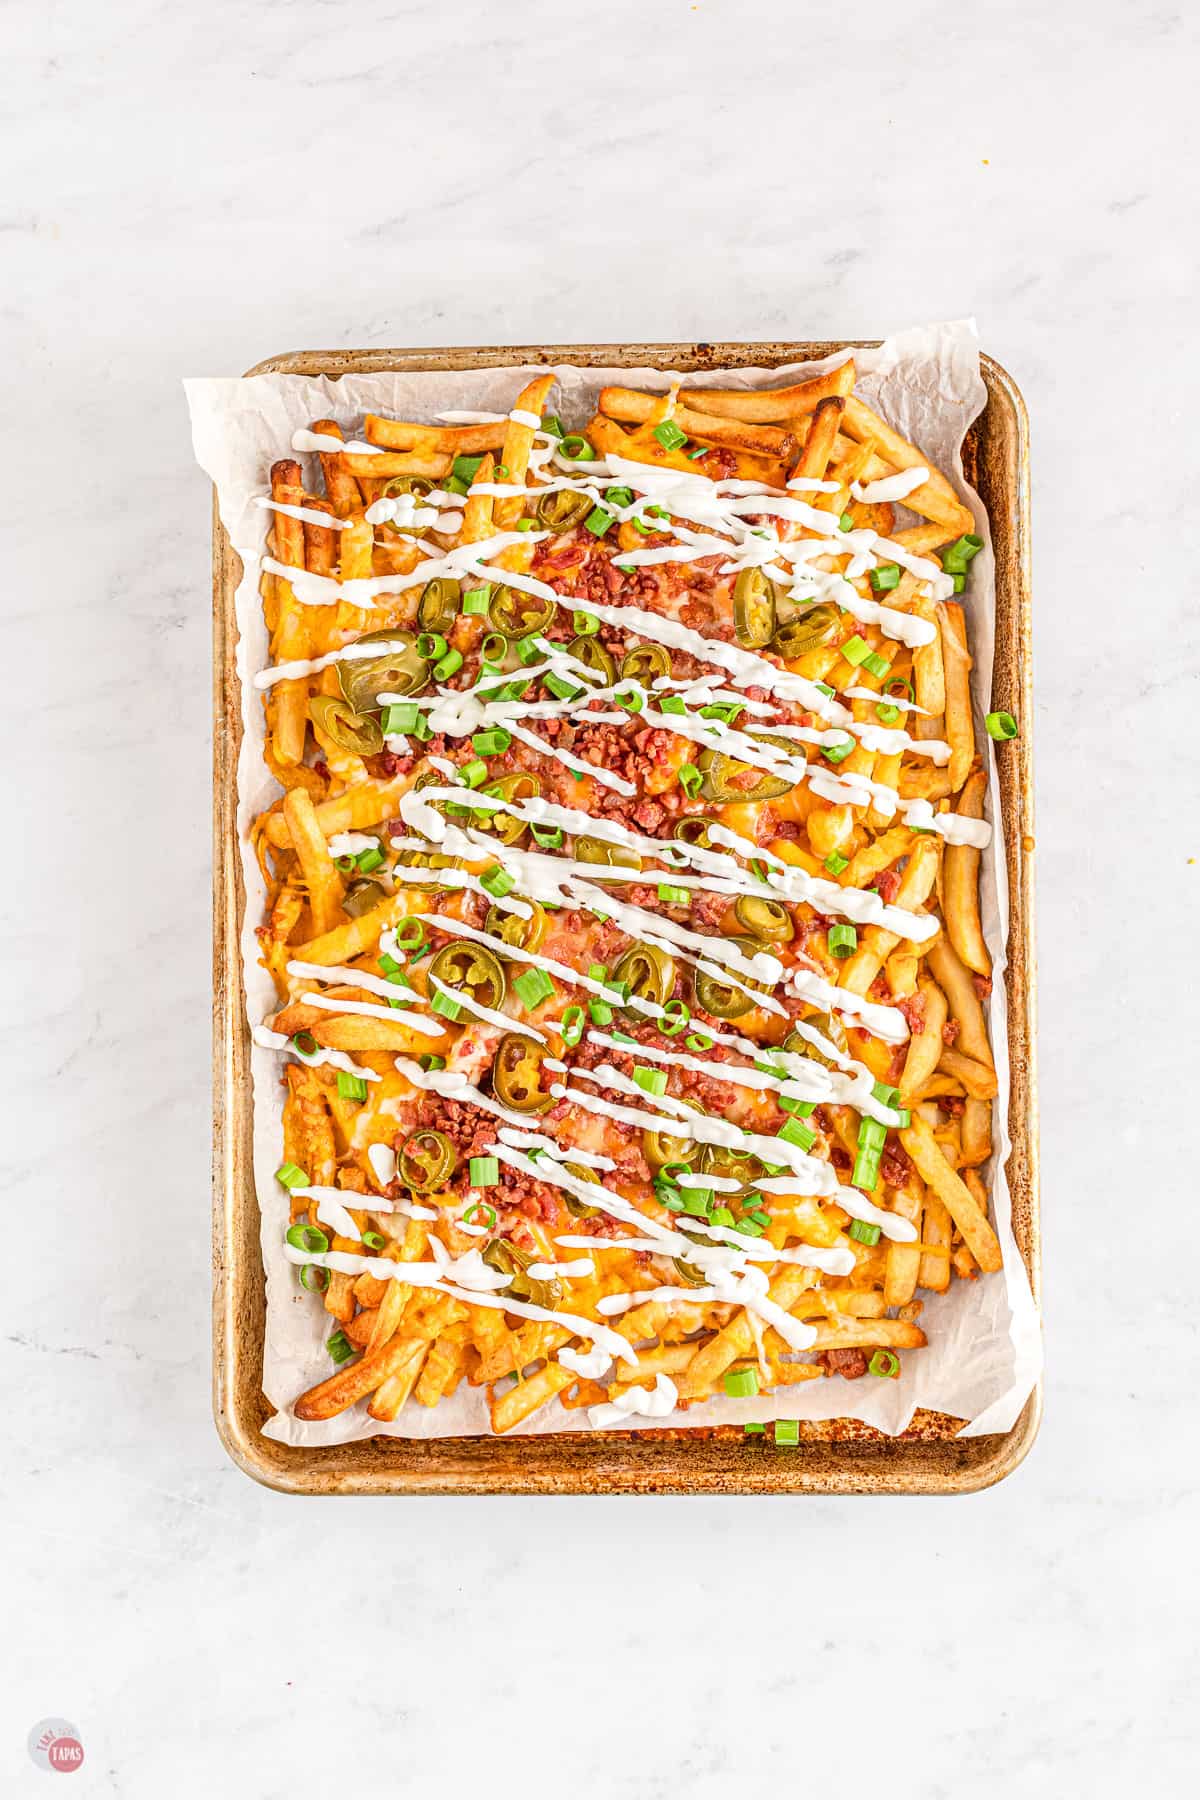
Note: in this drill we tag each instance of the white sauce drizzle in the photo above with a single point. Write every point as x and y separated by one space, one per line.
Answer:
267 1039
651 1403
890 487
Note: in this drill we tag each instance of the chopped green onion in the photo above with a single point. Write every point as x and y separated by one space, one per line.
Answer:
787 1431
823 687
576 448
651 1081
670 1197
798 1133
431 645
466 467
845 522
400 718
741 1383
481 1206
619 497
720 1215
339 1347
725 710
305 1044
448 665
598 521
497 881
843 940
754 1430
670 895
533 987
669 435
641 525
484 1171
456 485
291 1176
836 753
862 1233
446 1005
856 650
799 1109
1001 725
699 1040
562 689
571 1025
676 1014
876 665
422 730
351 1087
671 703
631 699
475 772
410 936
885 1363
958 556
601 1012
501 468
598 971
749 1227
697 1202
835 862
374 1240
313 1277
475 602
493 742
872 1135
887 714
524 524
866 1170
690 779
584 624
885 577
429 1062
549 837
308 1238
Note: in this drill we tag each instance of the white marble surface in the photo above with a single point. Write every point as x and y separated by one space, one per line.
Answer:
189 188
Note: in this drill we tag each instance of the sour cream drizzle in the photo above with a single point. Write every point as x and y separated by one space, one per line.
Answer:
267 1039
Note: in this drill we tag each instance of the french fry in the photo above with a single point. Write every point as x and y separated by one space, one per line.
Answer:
916 885
956 659
954 978
978 1079
326 889
763 405
433 440
976 1133
960 884
518 442
953 1192
630 406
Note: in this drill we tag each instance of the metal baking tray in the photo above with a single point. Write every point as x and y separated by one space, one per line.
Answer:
838 1456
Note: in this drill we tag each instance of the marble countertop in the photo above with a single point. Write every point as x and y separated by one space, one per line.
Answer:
193 188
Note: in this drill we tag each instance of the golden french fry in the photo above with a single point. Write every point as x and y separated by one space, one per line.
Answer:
976 1132
766 404
960 884
978 1079
326 889
953 1192
954 978
630 406
956 659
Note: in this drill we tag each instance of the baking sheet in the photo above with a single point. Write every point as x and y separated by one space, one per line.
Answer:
984 1354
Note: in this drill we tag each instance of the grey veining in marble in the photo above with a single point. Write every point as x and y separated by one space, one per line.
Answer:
189 188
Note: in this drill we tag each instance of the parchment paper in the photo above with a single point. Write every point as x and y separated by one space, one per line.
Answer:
984 1350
